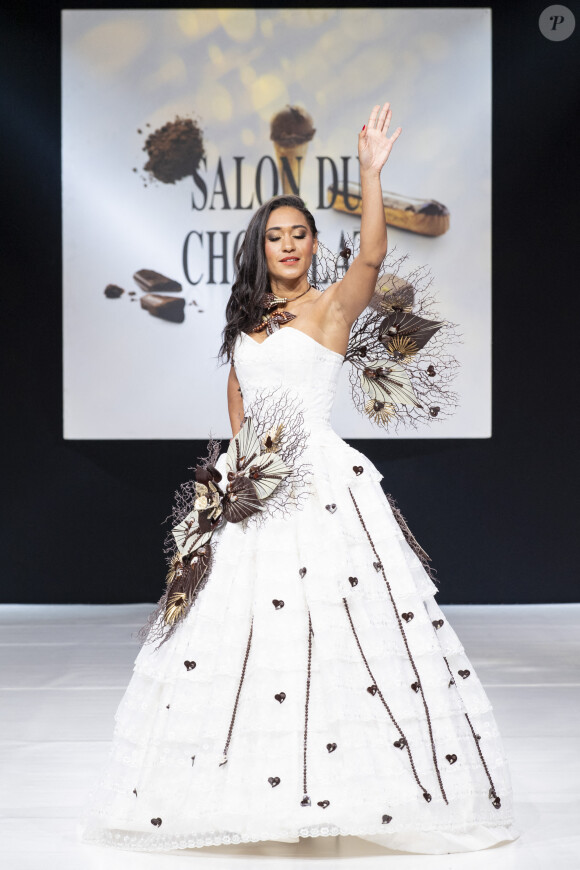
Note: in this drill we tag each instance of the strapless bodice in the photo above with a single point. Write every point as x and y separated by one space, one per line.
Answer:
293 360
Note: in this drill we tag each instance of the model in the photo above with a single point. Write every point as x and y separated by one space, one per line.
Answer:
306 683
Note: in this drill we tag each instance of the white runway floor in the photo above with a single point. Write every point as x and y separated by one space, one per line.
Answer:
65 668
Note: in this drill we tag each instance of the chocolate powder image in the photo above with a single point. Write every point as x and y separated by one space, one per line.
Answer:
174 150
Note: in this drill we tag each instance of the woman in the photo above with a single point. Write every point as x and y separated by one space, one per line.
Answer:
315 689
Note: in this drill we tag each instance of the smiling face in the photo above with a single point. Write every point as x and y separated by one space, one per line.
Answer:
289 245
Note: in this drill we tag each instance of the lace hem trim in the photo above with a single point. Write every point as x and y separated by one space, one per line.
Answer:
133 842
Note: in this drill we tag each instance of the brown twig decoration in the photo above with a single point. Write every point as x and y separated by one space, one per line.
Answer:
269 407
398 346
268 482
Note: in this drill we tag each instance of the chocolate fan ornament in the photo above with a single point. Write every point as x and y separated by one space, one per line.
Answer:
255 468
398 349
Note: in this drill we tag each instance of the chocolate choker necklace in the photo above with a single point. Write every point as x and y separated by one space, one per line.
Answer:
273 321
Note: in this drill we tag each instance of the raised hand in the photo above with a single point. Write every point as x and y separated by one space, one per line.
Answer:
373 145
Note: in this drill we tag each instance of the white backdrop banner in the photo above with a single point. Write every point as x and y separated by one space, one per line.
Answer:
167 151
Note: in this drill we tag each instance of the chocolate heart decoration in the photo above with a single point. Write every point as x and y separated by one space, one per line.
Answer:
415 687
353 581
189 665
464 674
451 758
331 508
372 689
192 760
302 572
135 792
277 604
280 696
323 804
437 623
387 819
377 566
156 822
305 802
358 469
274 781
331 747
496 803
408 616
451 683
168 706
400 743
427 796
478 736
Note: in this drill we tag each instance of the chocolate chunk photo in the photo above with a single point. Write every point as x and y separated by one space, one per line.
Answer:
170 308
111 291
155 282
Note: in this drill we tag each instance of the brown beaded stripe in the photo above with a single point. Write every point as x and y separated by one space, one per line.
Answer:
404 636
381 696
476 741
239 689
310 633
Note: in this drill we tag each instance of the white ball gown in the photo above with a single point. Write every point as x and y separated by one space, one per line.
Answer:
318 663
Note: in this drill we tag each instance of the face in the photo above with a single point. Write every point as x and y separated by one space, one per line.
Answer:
289 244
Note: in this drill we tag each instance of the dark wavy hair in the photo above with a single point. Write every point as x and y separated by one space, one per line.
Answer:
244 309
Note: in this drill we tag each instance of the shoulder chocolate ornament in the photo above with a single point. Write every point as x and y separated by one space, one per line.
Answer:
263 478
401 367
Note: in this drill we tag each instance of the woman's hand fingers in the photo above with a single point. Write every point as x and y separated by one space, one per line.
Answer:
384 118
373 117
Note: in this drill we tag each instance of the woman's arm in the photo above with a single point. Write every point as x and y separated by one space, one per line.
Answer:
353 293
235 402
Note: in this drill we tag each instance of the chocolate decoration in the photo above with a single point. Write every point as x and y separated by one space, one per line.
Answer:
415 687
496 803
400 743
464 674
408 616
112 291
353 581
280 696
135 792
437 623
302 572
192 760
323 804
168 706
305 802
451 683
174 150
331 747
427 796
358 469
331 508
434 410
189 665
451 758
291 126
156 822
410 655
165 307
274 781
372 690
387 819
155 282
278 604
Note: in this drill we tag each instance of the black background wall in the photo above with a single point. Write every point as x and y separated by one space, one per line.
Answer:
81 521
